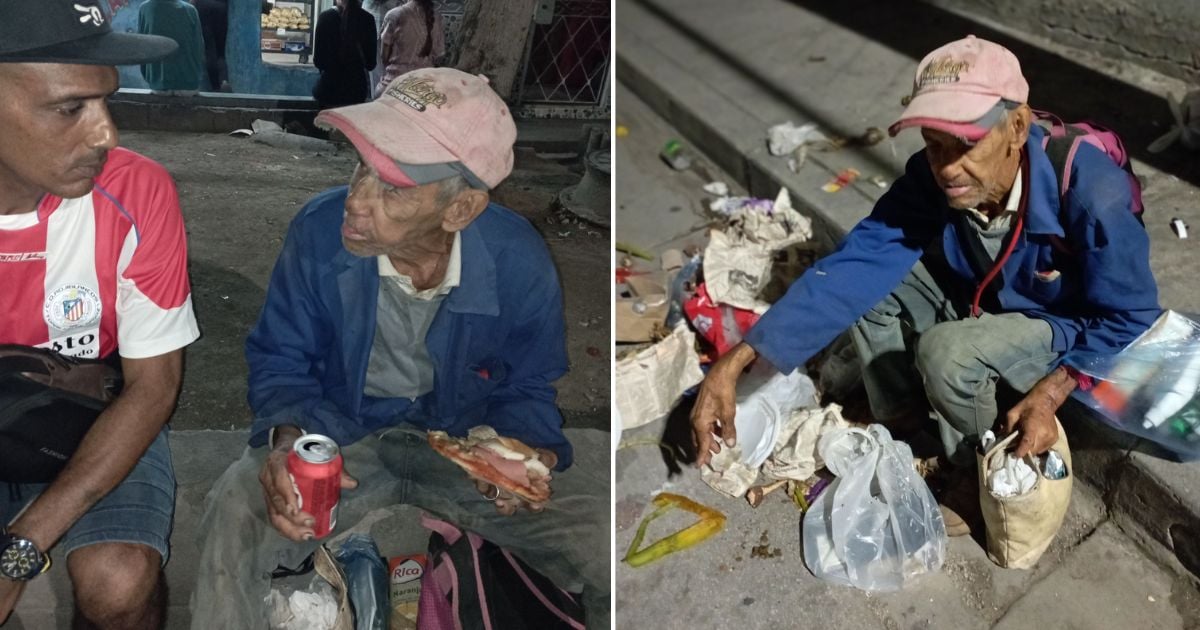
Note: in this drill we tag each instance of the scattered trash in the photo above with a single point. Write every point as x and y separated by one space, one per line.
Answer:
1186 112
879 181
737 261
843 179
877 525
717 188
634 250
816 58
622 131
710 523
652 380
722 325
642 314
675 155
804 493
785 138
1179 227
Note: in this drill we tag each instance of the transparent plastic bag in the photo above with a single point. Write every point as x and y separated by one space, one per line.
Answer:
765 401
877 526
1150 388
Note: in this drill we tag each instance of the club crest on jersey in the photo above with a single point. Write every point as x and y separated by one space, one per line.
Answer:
71 306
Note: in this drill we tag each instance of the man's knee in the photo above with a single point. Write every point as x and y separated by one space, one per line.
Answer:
948 361
115 584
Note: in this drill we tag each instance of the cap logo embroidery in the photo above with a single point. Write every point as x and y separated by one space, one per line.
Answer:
91 14
418 93
942 70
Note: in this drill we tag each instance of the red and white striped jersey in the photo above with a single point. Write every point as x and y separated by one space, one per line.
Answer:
103 272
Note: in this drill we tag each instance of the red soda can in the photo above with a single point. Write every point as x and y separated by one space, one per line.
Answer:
315 467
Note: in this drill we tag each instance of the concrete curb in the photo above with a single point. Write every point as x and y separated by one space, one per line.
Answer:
212 112
1157 501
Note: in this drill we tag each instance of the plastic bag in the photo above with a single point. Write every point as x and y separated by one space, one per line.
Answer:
877 526
1150 388
366 581
765 401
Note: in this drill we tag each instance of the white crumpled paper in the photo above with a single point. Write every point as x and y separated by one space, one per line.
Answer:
313 609
650 382
794 456
787 137
737 261
1014 478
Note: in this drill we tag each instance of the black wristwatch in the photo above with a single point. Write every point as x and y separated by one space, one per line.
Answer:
20 559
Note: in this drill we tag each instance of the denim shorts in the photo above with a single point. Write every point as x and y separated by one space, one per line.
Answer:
140 510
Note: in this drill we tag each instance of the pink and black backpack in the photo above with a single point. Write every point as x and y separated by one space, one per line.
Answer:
1063 140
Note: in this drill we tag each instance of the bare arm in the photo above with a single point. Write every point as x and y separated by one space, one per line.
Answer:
109 451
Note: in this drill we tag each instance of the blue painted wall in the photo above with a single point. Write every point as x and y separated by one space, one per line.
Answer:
247 72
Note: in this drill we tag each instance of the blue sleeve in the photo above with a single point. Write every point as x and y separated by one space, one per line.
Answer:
1119 291
868 264
523 404
291 337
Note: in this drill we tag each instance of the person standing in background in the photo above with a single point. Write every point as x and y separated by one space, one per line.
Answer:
413 38
214 22
344 53
178 74
378 9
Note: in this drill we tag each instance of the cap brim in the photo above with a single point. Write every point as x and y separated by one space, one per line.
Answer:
378 130
953 112
105 49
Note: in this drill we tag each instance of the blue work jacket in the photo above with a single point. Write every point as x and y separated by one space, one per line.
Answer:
1094 287
497 341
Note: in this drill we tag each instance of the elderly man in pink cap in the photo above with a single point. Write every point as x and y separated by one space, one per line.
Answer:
405 303
970 273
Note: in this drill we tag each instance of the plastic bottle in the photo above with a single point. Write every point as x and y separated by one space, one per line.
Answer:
675 155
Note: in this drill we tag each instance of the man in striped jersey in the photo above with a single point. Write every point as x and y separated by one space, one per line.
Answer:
93 264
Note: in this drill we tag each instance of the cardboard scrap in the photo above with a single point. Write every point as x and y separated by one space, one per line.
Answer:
642 314
651 381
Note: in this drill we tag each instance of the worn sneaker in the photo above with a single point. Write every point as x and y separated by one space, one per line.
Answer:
958 500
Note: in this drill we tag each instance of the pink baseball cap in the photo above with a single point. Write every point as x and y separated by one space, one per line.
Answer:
431 116
959 84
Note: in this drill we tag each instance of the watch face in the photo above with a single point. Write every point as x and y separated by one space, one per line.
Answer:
19 560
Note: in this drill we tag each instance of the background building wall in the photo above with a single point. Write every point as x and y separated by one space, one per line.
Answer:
1160 34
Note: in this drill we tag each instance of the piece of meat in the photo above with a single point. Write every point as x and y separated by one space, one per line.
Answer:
511 475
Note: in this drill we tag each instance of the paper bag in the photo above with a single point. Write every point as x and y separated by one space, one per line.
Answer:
1020 528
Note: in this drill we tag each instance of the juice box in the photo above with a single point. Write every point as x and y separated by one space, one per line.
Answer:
404 576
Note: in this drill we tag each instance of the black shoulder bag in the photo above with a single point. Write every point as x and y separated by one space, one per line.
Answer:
48 402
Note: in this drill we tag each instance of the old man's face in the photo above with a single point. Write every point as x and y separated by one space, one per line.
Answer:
972 175
384 220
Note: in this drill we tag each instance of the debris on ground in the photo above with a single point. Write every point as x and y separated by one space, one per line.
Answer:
1179 227
675 155
652 380
1186 112
846 177
737 261
271 134
709 524
634 250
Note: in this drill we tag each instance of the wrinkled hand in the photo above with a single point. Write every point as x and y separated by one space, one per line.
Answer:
282 507
1034 415
10 592
507 503
716 403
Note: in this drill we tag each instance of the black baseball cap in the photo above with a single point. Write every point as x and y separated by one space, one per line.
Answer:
71 31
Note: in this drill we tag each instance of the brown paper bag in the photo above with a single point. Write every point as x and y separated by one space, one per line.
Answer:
329 569
1020 528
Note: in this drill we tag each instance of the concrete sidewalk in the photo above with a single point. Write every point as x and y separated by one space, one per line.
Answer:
723 76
